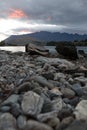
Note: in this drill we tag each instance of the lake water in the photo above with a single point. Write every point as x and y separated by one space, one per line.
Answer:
13 48
22 48
51 48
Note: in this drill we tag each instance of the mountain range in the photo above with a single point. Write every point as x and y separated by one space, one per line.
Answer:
43 37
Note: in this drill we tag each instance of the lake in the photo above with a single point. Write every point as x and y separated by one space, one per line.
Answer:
22 48
51 48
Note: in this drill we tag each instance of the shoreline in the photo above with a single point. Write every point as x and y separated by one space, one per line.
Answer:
42 92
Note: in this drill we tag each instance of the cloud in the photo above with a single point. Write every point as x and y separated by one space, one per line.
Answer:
53 15
16 14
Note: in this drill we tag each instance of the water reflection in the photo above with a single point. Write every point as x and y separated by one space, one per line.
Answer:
13 48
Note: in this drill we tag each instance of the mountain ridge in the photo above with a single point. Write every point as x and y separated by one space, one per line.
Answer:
43 37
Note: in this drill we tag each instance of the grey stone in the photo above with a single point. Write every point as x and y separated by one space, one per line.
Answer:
32 103
12 99
78 89
7 122
77 125
68 93
46 116
34 125
57 104
5 108
21 121
43 81
81 110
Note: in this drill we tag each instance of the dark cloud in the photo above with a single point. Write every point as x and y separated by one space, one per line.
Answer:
72 14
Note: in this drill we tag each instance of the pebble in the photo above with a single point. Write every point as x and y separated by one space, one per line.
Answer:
77 89
68 93
42 93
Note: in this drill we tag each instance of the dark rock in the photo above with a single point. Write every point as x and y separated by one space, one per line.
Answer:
5 109
65 112
69 52
77 89
15 110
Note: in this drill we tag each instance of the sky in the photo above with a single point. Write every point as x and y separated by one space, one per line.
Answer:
27 16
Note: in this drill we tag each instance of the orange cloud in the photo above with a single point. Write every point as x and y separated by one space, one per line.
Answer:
17 14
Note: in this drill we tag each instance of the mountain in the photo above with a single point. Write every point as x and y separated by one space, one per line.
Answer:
21 40
43 36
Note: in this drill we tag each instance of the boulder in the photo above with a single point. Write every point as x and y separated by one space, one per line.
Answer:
36 49
67 51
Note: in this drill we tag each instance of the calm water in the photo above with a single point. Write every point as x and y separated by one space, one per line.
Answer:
13 48
51 48
22 48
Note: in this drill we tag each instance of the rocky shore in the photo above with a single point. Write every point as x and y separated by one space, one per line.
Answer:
42 93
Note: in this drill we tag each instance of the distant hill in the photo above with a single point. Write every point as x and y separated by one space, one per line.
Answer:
42 37
21 40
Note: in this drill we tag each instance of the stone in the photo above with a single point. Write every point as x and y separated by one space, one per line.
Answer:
21 121
67 51
23 87
44 82
32 103
7 122
15 110
53 122
65 112
58 76
77 89
81 110
57 104
5 109
56 91
65 123
68 93
12 99
34 125
81 79
77 125
44 117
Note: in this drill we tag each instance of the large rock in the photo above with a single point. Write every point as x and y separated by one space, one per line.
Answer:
36 49
32 103
81 110
34 125
67 51
7 122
